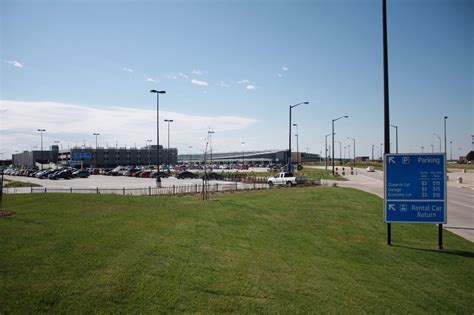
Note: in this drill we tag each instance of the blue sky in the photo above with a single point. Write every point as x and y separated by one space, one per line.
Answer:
78 67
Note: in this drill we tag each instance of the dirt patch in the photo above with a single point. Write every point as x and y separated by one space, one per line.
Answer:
6 213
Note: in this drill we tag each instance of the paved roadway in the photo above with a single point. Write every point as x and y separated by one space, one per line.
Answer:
460 197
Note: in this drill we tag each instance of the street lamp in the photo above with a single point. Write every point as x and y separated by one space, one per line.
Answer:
451 153
373 146
396 137
297 145
289 136
340 151
243 154
148 144
381 151
354 148
168 153
422 149
445 118
333 140
432 148
210 133
439 138
158 178
41 132
190 151
326 148
95 157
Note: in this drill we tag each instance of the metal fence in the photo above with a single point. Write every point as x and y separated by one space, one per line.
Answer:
150 191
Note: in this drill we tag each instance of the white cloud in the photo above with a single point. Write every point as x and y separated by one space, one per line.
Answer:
242 81
183 75
197 82
70 123
251 87
223 84
127 69
279 75
151 80
284 68
196 71
14 63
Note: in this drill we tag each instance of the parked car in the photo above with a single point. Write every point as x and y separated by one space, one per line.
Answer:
186 174
212 176
162 174
286 178
65 174
145 174
370 169
80 174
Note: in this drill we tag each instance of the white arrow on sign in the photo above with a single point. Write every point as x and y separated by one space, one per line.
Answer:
391 207
391 159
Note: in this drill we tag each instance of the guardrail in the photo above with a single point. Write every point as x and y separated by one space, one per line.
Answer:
150 191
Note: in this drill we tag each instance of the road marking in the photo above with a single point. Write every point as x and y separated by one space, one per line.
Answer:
461 204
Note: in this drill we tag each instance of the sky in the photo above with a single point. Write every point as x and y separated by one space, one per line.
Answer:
81 67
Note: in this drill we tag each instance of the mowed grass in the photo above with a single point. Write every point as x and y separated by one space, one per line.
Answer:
299 250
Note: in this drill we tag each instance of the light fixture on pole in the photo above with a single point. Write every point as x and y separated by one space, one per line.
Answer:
210 133
96 134
168 151
41 132
396 137
297 145
439 138
158 178
288 160
354 148
445 119
326 148
333 140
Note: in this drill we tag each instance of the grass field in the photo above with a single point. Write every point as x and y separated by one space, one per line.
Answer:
299 250
14 183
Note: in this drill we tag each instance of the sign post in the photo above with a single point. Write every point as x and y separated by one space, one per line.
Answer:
415 189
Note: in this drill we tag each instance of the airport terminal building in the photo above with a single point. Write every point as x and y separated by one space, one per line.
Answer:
100 157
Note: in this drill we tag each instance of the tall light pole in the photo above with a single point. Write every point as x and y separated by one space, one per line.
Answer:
158 178
210 133
335 119
41 132
439 138
354 148
373 146
148 144
340 150
451 153
326 148
96 134
396 137
190 151
289 136
422 149
432 148
445 119
297 145
243 154
381 151
168 153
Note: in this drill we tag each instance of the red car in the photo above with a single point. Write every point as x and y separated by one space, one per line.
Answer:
145 174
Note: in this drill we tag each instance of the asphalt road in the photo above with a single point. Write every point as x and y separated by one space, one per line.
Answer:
460 197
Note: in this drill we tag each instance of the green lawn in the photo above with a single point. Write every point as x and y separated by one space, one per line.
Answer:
300 250
10 183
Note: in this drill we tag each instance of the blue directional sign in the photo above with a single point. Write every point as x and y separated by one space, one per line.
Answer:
81 155
415 188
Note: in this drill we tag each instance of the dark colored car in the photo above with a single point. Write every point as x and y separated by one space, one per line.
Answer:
80 174
162 175
212 176
186 174
65 174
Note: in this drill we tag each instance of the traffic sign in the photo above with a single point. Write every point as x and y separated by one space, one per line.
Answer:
415 188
